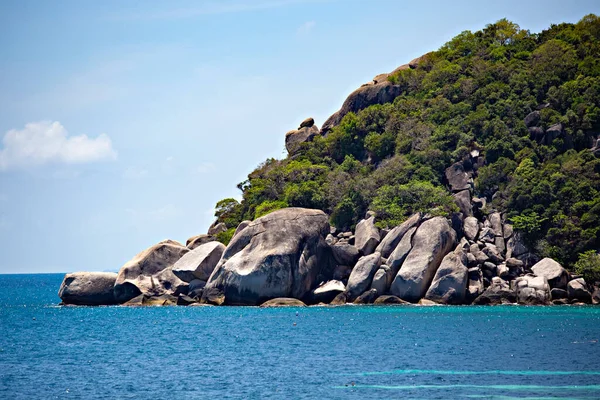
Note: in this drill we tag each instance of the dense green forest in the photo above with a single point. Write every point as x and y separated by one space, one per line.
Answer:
471 94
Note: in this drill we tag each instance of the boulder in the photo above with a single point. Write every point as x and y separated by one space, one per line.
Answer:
396 259
363 97
555 131
499 292
217 228
487 235
508 230
471 228
293 139
383 279
577 289
493 253
449 284
475 286
457 178
557 276
388 299
390 241
88 288
463 201
596 296
278 255
367 236
283 302
362 275
345 254
241 227
150 273
213 295
532 290
532 119
342 272
340 299
496 223
199 263
198 240
431 242
536 133
327 291
307 123
147 300
195 288
557 294
184 300
367 297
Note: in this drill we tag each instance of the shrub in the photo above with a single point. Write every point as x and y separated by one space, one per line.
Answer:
588 265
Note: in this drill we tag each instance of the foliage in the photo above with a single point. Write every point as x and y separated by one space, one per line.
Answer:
471 94
229 211
588 265
225 237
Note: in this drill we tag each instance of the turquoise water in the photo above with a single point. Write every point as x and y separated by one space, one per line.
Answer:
351 352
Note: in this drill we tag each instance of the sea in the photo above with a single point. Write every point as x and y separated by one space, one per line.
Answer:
49 351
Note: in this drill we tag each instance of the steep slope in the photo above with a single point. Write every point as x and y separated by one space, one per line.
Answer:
496 120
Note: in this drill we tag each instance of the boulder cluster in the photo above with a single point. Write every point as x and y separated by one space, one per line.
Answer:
294 257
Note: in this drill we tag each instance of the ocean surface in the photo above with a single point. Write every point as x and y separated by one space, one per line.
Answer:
350 352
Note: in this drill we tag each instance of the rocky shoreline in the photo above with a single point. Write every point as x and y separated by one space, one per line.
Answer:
292 257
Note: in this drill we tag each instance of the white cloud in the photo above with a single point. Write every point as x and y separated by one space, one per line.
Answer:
48 142
305 28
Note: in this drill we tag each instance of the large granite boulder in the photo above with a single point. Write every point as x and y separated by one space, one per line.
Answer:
390 241
293 139
88 288
431 242
458 179
283 302
377 93
345 254
366 236
277 255
532 119
150 273
557 276
471 228
199 263
389 299
382 279
463 200
577 290
362 275
449 284
532 290
367 297
401 251
216 228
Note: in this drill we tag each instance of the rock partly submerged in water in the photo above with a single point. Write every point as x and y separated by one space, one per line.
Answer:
283 302
278 255
150 273
88 288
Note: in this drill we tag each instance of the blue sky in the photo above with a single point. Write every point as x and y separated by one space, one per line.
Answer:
123 123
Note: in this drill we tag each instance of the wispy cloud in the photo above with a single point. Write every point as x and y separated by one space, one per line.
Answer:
305 28
212 8
48 142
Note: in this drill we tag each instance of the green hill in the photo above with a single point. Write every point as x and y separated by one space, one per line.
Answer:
518 111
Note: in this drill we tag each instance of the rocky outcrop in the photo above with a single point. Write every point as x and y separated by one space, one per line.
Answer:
293 139
390 241
362 275
557 276
388 299
366 236
150 273
449 284
216 228
278 255
199 263
283 302
499 292
431 242
88 288
458 179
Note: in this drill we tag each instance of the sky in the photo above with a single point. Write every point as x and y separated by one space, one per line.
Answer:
123 123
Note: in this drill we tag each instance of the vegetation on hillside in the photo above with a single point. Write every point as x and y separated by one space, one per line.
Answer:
473 93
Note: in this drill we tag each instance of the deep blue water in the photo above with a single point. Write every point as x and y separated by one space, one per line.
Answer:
392 352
